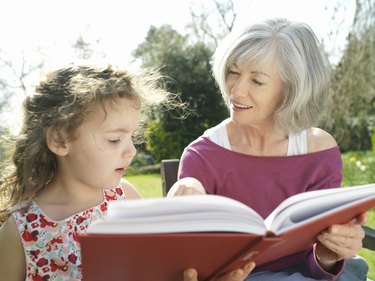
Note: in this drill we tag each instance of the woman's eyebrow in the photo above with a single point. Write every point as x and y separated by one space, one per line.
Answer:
260 72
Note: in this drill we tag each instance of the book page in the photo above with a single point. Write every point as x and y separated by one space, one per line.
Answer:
197 213
306 206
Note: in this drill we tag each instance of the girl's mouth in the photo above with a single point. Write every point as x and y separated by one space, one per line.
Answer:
121 171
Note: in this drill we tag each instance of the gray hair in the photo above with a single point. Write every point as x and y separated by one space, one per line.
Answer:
303 65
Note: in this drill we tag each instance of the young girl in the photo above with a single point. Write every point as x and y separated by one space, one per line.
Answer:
75 145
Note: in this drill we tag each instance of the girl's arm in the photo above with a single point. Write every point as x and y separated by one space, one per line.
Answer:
12 257
131 191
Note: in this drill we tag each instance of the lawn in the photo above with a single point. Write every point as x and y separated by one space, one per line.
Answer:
358 168
149 185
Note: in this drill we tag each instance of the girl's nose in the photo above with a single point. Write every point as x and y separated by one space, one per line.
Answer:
130 150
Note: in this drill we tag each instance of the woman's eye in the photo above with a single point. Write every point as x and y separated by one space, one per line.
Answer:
233 72
257 82
114 141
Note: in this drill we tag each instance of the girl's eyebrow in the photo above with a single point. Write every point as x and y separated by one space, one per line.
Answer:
118 130
122 130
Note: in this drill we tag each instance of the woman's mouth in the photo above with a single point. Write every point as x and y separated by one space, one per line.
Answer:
240 106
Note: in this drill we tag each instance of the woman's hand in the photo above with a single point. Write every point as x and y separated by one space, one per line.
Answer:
186 186
235 275
340 242
192 186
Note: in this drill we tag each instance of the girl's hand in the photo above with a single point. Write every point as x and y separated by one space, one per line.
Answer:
186 186
235 275
340 242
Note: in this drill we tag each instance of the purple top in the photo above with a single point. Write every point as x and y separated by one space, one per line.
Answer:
263 183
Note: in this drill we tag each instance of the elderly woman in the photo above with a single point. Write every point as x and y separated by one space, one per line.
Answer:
274 78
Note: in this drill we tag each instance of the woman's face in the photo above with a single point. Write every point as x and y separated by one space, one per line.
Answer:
254 93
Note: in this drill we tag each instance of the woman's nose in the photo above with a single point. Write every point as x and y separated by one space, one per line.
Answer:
239 89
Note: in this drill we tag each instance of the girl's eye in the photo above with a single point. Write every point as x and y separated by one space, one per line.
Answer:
114 141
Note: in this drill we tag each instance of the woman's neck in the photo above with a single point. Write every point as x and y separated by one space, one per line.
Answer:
257 140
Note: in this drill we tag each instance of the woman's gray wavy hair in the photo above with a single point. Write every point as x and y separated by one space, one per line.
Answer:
303 65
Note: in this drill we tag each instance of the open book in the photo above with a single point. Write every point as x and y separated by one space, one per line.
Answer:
156 239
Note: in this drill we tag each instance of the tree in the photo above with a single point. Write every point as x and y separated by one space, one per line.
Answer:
188 66
212 21
20 72
86 48
351 116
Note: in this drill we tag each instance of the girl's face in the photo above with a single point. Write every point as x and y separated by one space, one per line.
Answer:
103 147
254 93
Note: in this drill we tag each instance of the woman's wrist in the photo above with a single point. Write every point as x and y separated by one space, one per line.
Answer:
328 265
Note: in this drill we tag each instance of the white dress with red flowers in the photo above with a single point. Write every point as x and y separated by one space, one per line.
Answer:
51 247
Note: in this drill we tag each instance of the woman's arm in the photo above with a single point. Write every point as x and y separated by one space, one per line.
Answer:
186 186
12 257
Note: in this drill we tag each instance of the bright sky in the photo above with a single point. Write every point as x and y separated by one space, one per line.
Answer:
121 25
116 27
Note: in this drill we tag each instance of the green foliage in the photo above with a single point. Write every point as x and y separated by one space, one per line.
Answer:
189 69
163 143
358 167
6 140
351 113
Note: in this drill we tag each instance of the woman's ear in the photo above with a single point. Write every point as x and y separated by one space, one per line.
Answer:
57 142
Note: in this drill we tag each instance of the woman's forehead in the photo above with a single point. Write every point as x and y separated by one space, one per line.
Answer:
258 65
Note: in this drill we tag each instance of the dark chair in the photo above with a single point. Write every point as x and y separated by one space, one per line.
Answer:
169 169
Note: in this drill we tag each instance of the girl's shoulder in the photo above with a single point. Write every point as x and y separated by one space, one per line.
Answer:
11 255
124 190
318 140
8 230
129 189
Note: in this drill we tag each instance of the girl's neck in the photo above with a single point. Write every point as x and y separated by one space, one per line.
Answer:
59 201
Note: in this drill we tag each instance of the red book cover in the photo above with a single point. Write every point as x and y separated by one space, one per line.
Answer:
162 246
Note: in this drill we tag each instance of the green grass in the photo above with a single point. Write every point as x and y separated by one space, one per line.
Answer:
358 168
149 185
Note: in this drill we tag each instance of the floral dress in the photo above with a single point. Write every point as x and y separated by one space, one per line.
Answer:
52 247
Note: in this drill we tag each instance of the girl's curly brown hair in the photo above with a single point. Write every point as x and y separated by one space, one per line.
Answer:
61 102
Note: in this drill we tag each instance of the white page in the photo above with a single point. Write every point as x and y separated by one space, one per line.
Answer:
178 224
307 206
179 214
180 204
